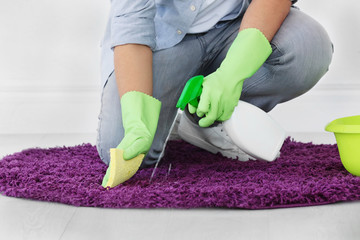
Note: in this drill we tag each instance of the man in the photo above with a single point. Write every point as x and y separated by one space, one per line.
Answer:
264 52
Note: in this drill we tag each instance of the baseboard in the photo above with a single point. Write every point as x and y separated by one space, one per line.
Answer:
49 109
75 109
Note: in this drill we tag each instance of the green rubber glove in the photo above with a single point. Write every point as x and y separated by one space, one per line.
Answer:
140 115
222 88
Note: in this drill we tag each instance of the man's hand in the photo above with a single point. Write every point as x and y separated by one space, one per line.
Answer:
140 115
218 99
221 89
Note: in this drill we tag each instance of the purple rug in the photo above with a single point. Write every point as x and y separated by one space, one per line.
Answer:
304 175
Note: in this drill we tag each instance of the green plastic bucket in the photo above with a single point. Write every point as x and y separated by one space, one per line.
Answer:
347 134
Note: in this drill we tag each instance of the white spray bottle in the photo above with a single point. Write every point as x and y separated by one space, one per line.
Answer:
249 127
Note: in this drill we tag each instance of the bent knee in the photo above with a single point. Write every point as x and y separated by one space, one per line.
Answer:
303 46
302 39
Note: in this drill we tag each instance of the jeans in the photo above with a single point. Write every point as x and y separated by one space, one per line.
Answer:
302 52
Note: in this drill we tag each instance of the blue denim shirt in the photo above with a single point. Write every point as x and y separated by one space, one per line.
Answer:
158 24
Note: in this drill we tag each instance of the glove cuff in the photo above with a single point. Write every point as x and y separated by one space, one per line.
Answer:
136 95
247 54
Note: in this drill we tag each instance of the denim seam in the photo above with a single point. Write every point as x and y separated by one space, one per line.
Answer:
219 46
211 55
276 45
100 121
203 47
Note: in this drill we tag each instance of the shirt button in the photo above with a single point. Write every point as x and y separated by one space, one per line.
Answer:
192 8
179 32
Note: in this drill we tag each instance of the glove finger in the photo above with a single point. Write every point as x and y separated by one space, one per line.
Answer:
138 147
210 117
226 114
204 105
191 109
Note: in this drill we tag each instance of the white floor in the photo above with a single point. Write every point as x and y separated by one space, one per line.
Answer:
26 219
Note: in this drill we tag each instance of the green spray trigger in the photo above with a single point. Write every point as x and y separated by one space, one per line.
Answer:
191 92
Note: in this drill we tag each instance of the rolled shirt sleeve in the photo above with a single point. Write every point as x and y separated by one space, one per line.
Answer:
132 21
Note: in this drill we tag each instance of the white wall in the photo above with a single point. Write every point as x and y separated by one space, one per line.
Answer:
49 67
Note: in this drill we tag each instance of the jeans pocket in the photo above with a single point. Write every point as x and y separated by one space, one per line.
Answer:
275 57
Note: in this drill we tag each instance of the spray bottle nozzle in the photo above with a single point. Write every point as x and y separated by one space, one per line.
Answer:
191 92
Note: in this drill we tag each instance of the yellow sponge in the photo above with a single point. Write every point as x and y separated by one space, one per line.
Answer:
120 170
